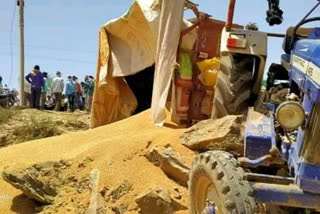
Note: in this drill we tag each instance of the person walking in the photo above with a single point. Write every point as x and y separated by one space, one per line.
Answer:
85 90
1 85
78 100
46 89
57 87
89 90
70 92
35 78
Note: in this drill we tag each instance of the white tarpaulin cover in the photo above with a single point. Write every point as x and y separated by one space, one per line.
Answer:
147 33
168 41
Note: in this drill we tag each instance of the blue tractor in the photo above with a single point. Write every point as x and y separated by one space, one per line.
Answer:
281 164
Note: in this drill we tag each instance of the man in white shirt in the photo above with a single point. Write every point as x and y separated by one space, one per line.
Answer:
57 89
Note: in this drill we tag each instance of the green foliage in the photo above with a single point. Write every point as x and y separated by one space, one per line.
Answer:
252 26
36 129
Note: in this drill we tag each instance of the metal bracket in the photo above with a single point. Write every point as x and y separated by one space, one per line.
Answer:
262 161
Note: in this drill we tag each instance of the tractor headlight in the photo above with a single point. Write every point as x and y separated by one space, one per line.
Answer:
290 115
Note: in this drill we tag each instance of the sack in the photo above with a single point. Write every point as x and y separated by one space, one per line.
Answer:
185 66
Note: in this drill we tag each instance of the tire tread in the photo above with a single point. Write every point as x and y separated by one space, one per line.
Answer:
233 89
227 177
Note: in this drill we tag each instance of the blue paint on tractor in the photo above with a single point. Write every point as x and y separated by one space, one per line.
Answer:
285 195
312 91
285 148
315 34
258 140
271 106
260 134
309 178
297 76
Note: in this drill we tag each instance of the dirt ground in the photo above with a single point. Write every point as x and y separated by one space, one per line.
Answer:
20 125
116 150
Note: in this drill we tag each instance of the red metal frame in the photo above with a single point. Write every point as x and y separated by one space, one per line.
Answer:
229 22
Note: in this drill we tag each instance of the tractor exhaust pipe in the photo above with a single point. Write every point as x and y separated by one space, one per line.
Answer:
229 22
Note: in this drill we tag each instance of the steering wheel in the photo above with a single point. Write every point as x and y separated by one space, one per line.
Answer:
295 35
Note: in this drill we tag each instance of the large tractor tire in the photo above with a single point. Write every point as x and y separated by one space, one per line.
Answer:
234 86
216 177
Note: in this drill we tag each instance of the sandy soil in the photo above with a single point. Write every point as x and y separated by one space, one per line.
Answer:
116 150
21 120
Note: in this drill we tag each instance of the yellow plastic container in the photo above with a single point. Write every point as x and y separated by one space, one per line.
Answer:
209 71
209 64
210 77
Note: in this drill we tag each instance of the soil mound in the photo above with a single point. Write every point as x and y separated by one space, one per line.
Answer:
103 169
21 125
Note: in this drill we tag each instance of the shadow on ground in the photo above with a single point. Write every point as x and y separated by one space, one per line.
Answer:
23 205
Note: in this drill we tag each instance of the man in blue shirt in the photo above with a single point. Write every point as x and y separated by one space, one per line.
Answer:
70 92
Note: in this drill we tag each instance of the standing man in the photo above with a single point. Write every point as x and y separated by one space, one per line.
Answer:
1 85
89 90
46 89
85 90
78 100
3 103
57 89
36 80
27 92
71 91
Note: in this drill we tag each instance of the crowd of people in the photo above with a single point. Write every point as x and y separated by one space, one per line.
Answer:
43 92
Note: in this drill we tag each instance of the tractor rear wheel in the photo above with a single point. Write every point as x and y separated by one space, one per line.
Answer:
215 178
234 85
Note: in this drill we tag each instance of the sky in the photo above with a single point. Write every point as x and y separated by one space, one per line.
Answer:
63 34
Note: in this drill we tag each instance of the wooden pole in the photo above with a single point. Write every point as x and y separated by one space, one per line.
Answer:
21 24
